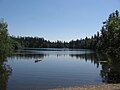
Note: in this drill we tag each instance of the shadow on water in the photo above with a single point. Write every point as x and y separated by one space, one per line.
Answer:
5 72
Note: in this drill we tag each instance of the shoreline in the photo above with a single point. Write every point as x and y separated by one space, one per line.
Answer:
93 87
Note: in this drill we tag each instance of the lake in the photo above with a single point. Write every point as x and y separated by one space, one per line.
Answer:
42 69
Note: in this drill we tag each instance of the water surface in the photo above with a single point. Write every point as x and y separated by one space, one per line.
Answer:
47 69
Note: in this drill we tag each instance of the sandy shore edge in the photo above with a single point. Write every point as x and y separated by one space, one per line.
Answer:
93 87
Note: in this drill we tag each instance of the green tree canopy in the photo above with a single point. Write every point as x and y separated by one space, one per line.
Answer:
5 43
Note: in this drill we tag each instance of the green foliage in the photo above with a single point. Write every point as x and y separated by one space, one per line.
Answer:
16 45
36 42
5 44
110 34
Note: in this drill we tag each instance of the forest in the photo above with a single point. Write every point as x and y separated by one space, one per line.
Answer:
106 40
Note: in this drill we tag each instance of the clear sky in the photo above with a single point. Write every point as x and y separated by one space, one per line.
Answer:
56 19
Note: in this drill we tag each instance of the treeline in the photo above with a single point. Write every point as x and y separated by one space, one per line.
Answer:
36 42
107 39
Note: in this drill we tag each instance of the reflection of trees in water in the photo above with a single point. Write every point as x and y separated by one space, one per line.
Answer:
27 56
110 65
5 72
111 71
88 57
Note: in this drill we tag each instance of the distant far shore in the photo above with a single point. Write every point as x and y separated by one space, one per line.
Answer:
93 87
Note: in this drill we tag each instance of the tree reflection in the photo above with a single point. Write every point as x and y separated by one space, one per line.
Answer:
27 56
24 54
88 57
111 71
110 65
5 72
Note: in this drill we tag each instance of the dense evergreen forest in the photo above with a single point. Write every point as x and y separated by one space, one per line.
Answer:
107 39
36 42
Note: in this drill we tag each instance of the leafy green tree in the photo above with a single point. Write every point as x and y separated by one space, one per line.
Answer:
5 43
110 34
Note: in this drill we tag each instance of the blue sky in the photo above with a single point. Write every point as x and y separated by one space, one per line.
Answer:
56 19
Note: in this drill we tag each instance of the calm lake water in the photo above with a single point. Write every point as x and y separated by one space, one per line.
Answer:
47 69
